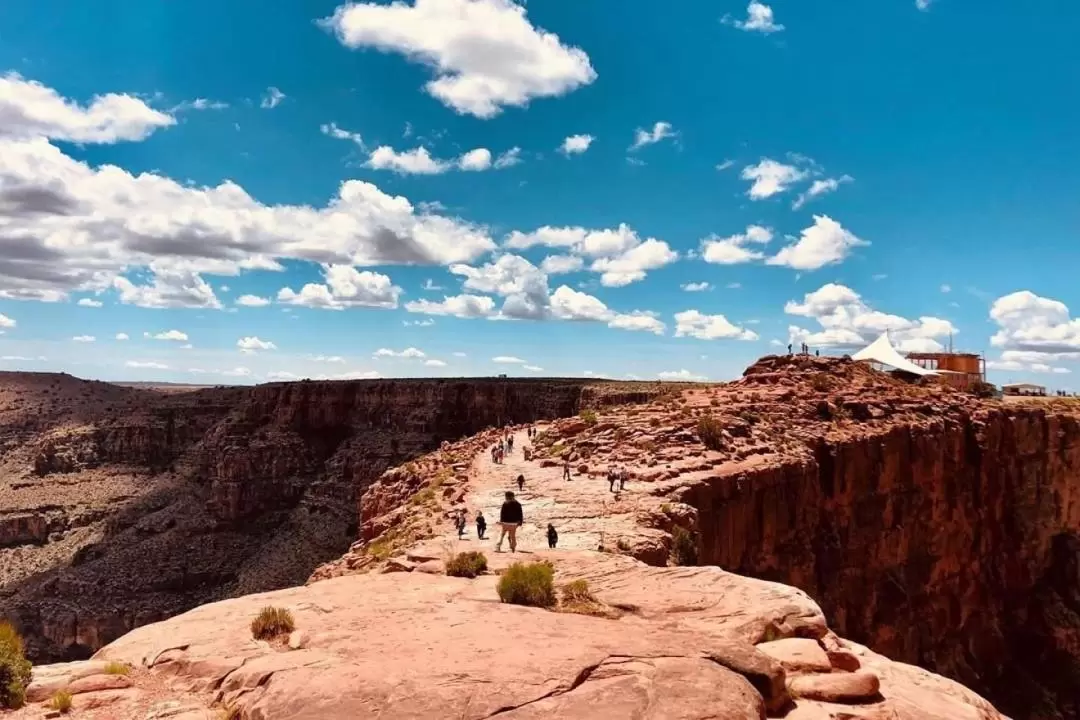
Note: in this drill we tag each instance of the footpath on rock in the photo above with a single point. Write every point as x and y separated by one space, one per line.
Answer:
384 632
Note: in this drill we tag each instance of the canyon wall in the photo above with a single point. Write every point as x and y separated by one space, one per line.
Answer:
951 543
124 506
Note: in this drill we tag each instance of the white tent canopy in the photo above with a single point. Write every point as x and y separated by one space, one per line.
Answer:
882 351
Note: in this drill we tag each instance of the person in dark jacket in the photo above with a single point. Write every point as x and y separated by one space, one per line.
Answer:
521 482
553 536
511 517
481 525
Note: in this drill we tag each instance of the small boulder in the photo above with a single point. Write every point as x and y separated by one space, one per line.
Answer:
836 687
95 683
298 639
798 654
398 565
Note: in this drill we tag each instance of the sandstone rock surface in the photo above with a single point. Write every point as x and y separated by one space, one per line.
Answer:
227 490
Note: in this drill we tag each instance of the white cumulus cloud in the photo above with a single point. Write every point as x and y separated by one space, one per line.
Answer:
84 338
169 335
824 243
252 301
848 322
345 287
147 365
736 248
29 110
252 344
681 376
695 324
508 360
660 131
819 188
576 144
770 177
408 353
759 18
696 286
89 302
485 54
271 98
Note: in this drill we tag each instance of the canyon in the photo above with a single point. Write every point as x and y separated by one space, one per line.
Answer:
930 527
121 506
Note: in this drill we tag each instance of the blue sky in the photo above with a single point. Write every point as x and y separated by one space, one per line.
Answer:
251 192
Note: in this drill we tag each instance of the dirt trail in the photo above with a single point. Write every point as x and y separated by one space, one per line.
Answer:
583 510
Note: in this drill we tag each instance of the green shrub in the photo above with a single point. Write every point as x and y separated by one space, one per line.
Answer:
528 584
683 547
577 591
710 431
14 668
589 416
272 622
117 668
467 564
61 702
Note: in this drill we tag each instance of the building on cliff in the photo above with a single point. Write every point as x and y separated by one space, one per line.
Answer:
960 370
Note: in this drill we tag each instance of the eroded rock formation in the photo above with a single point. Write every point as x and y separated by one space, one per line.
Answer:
122 506
935 528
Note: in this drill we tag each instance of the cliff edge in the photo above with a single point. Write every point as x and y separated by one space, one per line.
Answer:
382 630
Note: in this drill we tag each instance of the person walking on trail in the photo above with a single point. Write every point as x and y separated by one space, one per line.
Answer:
459 521
622 478
481 525
611 479
511 517
553 536
521 482
566 468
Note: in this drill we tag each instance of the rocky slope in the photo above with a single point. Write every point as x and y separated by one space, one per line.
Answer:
935 528
658 643
121 506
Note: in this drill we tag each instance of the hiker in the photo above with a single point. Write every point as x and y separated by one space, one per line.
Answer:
510 443
553 536
521 482
481 525
459 521
789 348
817 353
611 479
566 468
622 478
511 518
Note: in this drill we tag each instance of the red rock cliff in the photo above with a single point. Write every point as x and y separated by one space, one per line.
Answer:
936 528
143 505
948 543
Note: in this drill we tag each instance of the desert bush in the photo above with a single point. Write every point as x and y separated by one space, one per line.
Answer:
683 547
821 383
710 431
272 622
61 702
528 584
577 591
654 422
983 390
117 668
623 544
467 564
14 667
589 416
